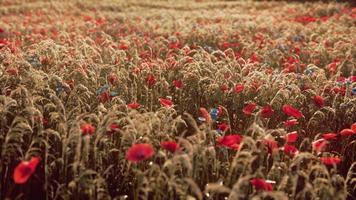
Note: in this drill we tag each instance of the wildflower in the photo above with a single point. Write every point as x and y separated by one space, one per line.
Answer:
347 132
352 79
139 152
214 113
261 184
174 45
25 169
267 111
102 89
224 88
271 144
171 146
59 87
3 43
166 102
205 114
12 71
104 97
112 78
87 129
123 46
178 84
133 105
291 137
255 58
333 66
150 80
220 111
291 111
113 94
223 127
247 110
330 136
290 123
229 141
318 101
330 160
113 128
353 91
290 149
353 127
238 88
319 145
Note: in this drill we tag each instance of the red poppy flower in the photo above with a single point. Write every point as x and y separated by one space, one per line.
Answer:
112 78
291 137
247 110
290 123
12 71
267 111
271 144
254 58
133 105
205 114
352 79
223 127
291 111
239 88
171 146
178 84
230 141
224 88
347 132
353 127
139 152
330 160
3 43
220 111
290 149
25 169
104 97
87 129
123 46
150 80
318 101
319 145
166 102
330 136
113 129
261 184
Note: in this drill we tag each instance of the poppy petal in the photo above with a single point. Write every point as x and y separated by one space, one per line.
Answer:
291 111
25 169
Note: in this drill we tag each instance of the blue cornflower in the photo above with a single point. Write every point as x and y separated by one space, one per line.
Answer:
102 89
353 91
214 113
114 94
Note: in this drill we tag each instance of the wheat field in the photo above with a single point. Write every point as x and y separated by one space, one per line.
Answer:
177 100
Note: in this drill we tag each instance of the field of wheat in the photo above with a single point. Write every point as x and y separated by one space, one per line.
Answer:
177 100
